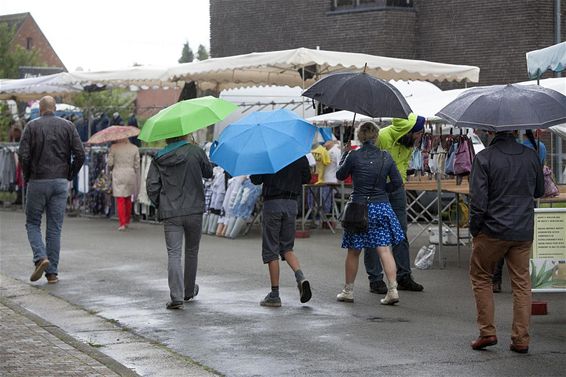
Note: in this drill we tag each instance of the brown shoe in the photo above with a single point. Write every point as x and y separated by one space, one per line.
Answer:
40 266
52 278
519 348
484 341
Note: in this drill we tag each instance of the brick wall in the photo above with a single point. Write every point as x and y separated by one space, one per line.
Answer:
46 54
149 102
494 35
239 27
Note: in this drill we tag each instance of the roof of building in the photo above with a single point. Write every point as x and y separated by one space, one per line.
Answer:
14 20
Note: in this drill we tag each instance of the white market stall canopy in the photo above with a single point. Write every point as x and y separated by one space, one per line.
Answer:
550 58
286 68
143 77
30 88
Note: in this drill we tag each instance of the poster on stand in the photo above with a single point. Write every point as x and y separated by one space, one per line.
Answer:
548 262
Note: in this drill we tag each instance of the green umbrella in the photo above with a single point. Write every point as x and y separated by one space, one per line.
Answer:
185 117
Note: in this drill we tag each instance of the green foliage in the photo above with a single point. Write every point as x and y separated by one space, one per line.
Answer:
13 56
202 54
108 101
187 54
5 121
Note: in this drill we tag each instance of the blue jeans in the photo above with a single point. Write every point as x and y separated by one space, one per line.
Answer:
398 200
49 196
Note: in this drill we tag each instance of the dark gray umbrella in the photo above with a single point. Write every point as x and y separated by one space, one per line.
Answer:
506 107
360 93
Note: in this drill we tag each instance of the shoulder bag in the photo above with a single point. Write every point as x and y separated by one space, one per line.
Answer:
355 216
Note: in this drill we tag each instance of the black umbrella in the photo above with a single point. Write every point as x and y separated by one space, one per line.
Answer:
360 93
506 107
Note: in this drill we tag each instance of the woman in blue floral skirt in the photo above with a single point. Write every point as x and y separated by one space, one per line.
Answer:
373 174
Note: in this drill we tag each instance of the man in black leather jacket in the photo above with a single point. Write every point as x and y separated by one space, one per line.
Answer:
505 179
51 153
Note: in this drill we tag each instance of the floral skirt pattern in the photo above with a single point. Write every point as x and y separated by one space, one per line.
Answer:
384 229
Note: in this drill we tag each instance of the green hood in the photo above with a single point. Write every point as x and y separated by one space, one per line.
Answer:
388 138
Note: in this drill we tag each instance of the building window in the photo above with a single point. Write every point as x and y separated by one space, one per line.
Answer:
345 5
29 43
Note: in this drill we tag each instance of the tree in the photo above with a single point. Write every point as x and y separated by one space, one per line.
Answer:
187 55
202 54
12 57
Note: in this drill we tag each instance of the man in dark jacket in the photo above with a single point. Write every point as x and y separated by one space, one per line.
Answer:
174 186
280 192
51 153
505 179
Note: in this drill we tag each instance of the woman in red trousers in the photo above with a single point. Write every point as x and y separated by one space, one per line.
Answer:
124 160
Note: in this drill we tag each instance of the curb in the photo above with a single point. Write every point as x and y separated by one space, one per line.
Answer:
106 360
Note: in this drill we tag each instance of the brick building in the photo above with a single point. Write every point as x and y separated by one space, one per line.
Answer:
29 36
493 35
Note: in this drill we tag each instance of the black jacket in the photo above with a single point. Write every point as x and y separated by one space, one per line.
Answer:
287 183
174 181
51 148
373 171
505 179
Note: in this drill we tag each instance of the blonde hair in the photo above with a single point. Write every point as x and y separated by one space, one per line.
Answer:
368 132
47 105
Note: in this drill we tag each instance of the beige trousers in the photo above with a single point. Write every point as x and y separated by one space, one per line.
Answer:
486 251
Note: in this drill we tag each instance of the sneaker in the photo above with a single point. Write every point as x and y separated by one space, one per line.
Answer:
391 298
174 305
40 266
378 287
408 284
52 278
305 290
195 293
121 228
270 301
345 296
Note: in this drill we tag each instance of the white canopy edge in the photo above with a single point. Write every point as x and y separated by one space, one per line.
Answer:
283 67
550 58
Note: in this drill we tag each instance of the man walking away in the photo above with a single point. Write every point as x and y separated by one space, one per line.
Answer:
51 154
505 179
280 192
175 188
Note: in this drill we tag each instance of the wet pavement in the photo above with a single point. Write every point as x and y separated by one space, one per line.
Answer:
121 277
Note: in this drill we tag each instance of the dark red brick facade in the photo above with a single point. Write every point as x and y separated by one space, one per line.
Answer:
29 36
494 35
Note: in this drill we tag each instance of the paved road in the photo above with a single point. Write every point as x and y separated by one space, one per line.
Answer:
122 277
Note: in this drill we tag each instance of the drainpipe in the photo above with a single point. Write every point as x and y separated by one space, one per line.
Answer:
558 144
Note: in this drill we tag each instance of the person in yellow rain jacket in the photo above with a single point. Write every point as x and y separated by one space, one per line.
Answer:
322 158
398 139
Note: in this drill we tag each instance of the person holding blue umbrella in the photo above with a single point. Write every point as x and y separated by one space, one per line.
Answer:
280 192
270 146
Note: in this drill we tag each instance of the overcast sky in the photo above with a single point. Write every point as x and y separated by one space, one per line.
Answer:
112 34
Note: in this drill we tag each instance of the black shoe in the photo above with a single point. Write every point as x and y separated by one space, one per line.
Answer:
408 284
378 287
496 287
174 305
304 290
195 293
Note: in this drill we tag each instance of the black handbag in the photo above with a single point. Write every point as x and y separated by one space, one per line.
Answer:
355 216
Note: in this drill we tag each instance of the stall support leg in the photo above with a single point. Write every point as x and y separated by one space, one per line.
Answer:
441 257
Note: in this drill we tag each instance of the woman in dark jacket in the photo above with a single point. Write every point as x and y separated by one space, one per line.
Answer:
374 174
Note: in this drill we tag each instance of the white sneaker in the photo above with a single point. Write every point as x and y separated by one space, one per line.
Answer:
391 298
345 296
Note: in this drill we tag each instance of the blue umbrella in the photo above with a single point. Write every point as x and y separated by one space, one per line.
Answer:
262 143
